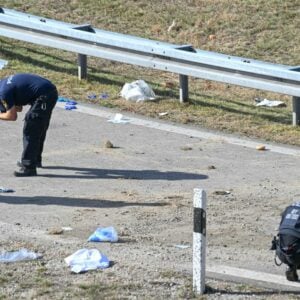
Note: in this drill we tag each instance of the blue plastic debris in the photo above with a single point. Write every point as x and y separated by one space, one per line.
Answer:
69 103
103 96
70 107
92 96
66 100
104 234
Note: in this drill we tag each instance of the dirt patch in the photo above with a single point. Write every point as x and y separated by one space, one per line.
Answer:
145 191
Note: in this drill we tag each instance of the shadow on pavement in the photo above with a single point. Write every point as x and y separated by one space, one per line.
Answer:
77 202
260 294
125 174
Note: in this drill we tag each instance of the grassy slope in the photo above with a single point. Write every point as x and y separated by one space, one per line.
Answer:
263 29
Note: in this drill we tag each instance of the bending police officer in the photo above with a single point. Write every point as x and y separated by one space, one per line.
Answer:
17 91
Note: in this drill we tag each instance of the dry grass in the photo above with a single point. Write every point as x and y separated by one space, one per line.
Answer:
267 30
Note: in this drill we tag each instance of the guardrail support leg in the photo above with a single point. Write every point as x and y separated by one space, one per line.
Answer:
184 88
296 111
82 66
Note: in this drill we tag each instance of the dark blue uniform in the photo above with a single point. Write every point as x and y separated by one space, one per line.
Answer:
41 95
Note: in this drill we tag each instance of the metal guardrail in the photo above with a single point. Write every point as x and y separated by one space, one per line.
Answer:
180 59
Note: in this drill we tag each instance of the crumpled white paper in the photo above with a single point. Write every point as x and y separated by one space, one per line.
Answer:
87 259
22 254
137 91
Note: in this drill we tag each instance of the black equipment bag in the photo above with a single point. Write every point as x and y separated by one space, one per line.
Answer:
287 243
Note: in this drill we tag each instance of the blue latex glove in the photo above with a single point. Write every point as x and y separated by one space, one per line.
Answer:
70 107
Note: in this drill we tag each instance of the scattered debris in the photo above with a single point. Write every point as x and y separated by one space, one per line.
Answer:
186 148
163 114
172 26
22 254
108 144
3 63
4 190
137 91
56 231
182 246
221 192
269 103
103 96
92 96
87 259
174 197
67 100
67 228
69 103
104 234
119 119
261 147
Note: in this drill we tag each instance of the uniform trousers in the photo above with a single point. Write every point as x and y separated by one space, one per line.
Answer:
35 128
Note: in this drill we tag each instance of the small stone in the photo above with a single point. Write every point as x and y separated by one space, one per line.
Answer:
211 167
55 231
108 144
186 148
261 147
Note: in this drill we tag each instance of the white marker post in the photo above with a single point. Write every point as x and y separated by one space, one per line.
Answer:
199 241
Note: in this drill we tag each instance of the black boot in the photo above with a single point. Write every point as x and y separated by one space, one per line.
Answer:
291 274
38 164
25 172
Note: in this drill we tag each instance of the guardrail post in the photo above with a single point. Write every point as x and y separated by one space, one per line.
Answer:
82 66
296 111
183 88
199 241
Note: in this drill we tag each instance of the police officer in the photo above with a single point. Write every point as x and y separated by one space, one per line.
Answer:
17 91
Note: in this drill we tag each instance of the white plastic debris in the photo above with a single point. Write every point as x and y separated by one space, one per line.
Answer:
119 119
270 103
3 63
4 190
22 254
67 228
182 246
137 91
162 114
87 259
172 26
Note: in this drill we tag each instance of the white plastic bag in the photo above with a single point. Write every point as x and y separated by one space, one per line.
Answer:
137 91
22 254
270 103
87 259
